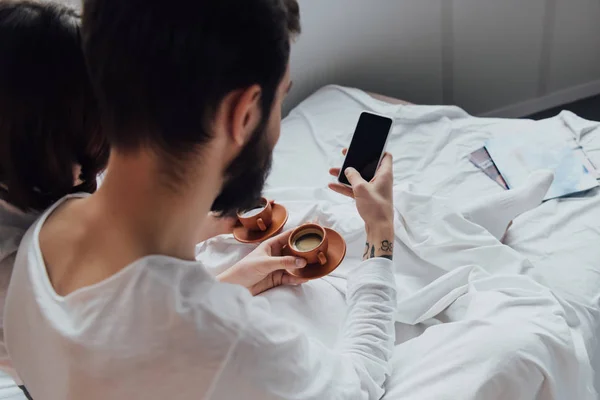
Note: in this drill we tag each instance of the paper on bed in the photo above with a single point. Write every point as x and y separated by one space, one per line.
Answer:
518 156
587 163
482 160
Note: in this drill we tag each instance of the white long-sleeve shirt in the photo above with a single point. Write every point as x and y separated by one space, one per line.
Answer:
164 328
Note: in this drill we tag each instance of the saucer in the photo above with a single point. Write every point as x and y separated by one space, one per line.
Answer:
280 217
336 252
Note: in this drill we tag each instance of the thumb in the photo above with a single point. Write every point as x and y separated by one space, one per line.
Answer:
354 177
287 262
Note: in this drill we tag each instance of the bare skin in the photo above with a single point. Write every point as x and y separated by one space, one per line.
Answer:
85 241
215 226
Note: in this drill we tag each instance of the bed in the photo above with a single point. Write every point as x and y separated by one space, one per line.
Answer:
520 324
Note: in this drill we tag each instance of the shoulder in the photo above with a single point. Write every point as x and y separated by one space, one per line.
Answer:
197 296
222 308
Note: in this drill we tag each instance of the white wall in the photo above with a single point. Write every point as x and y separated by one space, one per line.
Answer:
492 57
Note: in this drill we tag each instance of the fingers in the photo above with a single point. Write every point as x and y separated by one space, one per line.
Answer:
386 167
292 280
341 189
278 278
354 178
387 161
336 171
276 243
282 264
290 262
284 278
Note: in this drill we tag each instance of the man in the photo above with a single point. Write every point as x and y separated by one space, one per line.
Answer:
107 302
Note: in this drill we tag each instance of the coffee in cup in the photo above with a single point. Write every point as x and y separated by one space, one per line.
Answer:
258 218
309 241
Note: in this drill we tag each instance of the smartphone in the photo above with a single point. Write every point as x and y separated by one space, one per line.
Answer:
367 146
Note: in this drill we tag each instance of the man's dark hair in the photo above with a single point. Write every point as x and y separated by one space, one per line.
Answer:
160 68
49 119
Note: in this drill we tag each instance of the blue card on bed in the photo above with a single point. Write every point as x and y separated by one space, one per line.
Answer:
518 156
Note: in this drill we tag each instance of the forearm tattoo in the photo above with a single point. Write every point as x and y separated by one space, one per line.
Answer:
384 250
387 246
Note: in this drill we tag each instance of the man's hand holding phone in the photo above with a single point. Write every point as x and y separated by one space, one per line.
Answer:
374 202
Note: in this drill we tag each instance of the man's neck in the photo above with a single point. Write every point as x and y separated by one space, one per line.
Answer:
133 215
155 217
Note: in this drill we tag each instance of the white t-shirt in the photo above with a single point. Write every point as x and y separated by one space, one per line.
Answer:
163 328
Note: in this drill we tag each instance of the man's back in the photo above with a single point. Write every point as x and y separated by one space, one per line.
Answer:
124 337
162 327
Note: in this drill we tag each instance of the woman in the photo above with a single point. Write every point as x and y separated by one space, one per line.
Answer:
50 138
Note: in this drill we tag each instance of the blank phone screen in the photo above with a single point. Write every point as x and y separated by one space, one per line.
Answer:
367 145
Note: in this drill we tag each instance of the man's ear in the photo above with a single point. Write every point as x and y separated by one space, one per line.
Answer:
240 114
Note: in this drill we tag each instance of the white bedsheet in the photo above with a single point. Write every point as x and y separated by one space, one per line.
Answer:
474 320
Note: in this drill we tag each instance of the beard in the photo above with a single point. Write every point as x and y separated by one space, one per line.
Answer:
246 175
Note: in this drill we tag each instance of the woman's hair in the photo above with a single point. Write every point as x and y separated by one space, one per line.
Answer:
49 120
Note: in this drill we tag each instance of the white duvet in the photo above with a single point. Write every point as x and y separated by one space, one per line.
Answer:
476 319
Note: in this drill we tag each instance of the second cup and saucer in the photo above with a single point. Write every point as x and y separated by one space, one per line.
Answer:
261 222
323 249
